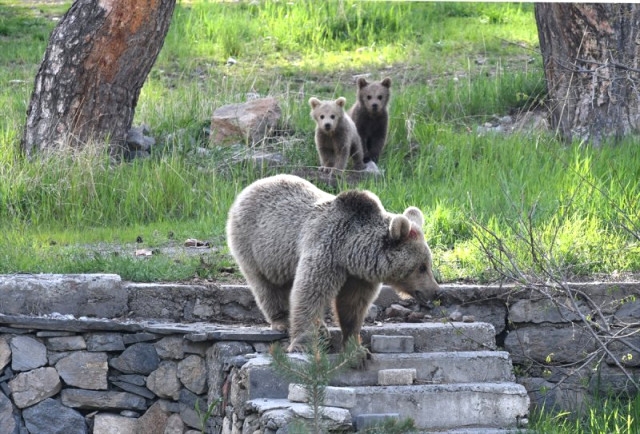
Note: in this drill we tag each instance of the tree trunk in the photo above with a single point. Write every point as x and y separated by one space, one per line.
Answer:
96 62
591 55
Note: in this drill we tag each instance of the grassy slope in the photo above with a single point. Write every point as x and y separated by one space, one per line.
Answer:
454 67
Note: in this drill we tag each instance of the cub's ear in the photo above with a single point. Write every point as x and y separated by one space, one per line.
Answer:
314 102
415 216
362 82
386 82
341 101
399 228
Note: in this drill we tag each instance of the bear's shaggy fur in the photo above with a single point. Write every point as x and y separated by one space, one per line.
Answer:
336 136
302 249
371 116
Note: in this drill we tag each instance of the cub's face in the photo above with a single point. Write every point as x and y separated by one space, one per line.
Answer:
374 96
327 114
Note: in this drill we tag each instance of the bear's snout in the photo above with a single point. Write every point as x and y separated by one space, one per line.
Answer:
374 107
327 126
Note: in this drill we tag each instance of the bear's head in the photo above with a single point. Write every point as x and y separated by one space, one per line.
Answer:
411 272
374 96
327 114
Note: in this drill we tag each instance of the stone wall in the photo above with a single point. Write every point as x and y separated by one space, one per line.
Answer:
57 376
90 353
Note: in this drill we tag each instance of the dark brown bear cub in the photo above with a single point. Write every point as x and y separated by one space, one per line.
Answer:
371 116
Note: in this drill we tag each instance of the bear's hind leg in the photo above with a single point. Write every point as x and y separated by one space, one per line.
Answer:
273 300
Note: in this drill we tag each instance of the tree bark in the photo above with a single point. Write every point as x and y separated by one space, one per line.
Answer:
591 55
88 84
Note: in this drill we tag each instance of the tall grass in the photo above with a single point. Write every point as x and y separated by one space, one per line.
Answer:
454 67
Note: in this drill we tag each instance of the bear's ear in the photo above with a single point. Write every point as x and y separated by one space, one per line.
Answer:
414 215
386 82
314 102
362 82
399 228
341 101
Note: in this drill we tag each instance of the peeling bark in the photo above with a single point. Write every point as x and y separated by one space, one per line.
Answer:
591 55
88 84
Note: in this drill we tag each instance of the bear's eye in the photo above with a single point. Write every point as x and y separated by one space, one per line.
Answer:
368 96
423 268
333 116
380 97
321 116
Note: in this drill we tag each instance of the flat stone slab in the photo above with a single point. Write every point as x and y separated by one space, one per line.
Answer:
435 368
436 336
92 295
445 406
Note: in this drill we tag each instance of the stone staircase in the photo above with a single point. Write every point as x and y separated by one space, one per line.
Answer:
447 377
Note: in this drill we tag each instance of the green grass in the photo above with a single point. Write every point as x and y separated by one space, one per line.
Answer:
454 67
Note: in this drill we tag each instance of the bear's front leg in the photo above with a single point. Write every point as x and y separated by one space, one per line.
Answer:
351 306
314 287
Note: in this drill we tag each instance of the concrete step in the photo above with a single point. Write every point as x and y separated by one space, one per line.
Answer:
448 406
435 368
428 337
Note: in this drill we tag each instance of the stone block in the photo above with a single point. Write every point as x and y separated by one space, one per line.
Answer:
31 387
66 343
27 353
84 370
365 421
396 377
90 295
342 397
392 344
50 416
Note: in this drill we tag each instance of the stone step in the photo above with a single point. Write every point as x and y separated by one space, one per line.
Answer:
435 336
435 368
448 406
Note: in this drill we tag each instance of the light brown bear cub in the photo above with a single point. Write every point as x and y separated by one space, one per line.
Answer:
336 135
302 249
371 117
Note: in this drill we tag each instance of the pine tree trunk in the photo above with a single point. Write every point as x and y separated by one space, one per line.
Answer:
591 55
96 62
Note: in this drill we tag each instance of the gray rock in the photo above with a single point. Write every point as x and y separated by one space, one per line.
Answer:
138 390
55 356
541 311
52 334
153 421
547 344
5 352
170 347
164 381
217 356
103 401
66 343
192 372
138 141
104 342
27 353
91 295
138 380
190 404
8 420
31 387
106 423
84 370
139 358
251 121
51 417
174 425
138 337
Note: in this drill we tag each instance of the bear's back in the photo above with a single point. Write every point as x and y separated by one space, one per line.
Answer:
266 221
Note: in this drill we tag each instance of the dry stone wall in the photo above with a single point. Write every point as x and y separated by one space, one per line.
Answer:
89 353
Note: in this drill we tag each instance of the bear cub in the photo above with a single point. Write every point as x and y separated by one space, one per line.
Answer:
371 116
336 136
302 249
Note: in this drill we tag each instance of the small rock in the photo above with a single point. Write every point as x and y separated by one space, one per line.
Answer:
455 316
397 311
468 318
